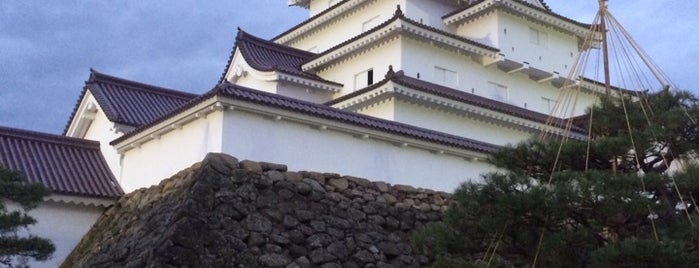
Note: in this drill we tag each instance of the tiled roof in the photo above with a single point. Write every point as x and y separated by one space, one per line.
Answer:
266 55
309 20
322 111
398 15
131 103
66 165
457 95
546 9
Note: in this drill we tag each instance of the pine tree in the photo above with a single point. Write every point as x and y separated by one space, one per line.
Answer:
14 247
617 201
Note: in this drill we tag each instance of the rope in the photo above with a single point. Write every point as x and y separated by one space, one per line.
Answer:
495 249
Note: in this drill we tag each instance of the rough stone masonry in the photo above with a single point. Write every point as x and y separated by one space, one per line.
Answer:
223 212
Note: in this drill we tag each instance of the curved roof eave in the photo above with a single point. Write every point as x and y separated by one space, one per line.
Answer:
464 97
399 16
236 92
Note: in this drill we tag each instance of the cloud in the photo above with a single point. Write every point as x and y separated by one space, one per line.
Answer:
47 47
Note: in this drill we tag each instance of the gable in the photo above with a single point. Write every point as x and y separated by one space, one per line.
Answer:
266 63
125 102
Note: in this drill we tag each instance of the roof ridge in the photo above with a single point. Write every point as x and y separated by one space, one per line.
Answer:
253 95
279 57
245 36
546 9
328 10
358 115
398 15
109 79
399 77
48 137
390 75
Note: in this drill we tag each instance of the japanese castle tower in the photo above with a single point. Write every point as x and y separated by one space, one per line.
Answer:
414 92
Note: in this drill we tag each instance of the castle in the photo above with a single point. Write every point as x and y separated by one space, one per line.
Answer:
410 92
391 90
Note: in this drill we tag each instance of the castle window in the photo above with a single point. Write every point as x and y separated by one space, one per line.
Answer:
498 92
538 38
363 79
445 76
370 23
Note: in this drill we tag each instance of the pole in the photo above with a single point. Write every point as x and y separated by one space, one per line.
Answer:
605 47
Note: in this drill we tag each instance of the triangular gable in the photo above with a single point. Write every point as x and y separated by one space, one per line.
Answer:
530 9
126 102
267 56
399 24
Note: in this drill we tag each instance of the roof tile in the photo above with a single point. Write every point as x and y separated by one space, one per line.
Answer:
546 9
266 55
398 15
458 95
131 103
322 111
66 165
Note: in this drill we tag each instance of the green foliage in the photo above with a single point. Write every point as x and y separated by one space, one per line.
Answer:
635 252
15 248
603 207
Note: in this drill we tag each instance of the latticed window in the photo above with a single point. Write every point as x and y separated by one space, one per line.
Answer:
445 76
538 38
498 92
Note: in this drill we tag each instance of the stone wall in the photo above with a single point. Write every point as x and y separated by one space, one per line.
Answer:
226 213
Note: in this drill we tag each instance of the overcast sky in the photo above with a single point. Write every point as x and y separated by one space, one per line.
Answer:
47 47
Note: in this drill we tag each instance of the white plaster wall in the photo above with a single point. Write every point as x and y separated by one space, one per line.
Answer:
301 147
346 26
457 124
258 80
427 12
303 93
64 224
511 35
377 58
317 6
162 157
249 77
421 57
558 55
484 30
102 130
384 109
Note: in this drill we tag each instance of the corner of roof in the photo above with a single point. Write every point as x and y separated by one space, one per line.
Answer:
398 12
546 6
94 76
240 35
91 79
392 75
218 88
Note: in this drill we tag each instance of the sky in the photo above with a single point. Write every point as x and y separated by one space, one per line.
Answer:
48 47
